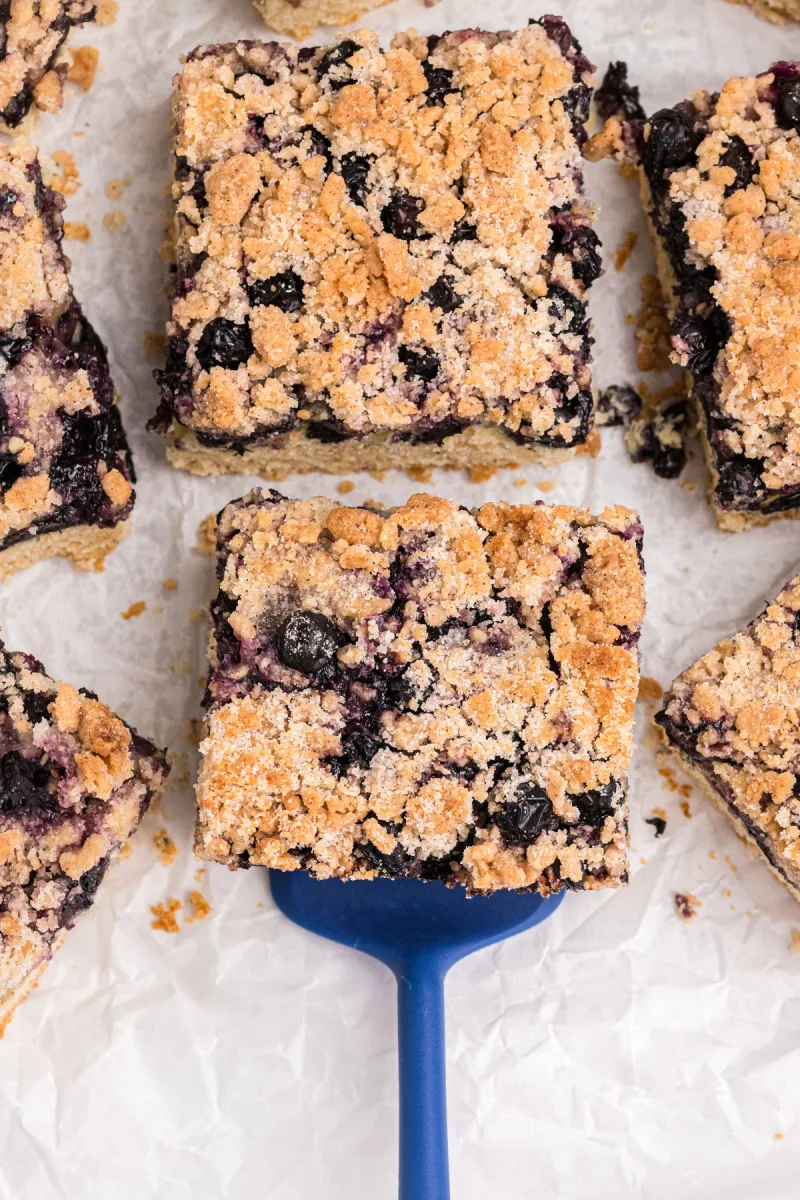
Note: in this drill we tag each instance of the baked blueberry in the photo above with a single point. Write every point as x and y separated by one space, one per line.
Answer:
284 290
307 641
223 343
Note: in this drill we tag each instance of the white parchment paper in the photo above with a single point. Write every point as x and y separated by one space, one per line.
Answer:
613 1052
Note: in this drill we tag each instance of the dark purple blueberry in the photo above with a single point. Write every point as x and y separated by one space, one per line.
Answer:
701 339
787 103
402 690
440 83
10 471
565 306
18 106
327 431
464 231
616 97
319 144
658 823
577 105
596 805
739 484
307 641
36 705
399 216
559 32
580 244
522 820
359 747
661 440
355 169
424 364
575 410
393 864
12 349
434 435
25 783
336 59
223 343
284 291
738 156
442 295
8 198
671 145
306 52
618 405
80 897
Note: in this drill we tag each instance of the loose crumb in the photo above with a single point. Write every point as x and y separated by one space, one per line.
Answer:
200 907
199 874
650 689
545 485
116 221
687 812
153 343
520 482
115 188
124 852
84 65
778 1137
169 585
166 849
380 476
135 610
345 487
107 12
420 474
712 854
653 344
668 775
67 183
794 945
686 906
482 474
165 919
658 823
207 535
591 447
194 732
76 231
689 485
626 250
198 614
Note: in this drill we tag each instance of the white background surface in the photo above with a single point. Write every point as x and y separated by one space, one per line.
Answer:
613 1052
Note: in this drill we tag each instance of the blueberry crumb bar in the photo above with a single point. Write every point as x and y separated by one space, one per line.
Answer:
731 721
299 18
75 781
425 692
32 34
720 175
780 12
65 470
382 258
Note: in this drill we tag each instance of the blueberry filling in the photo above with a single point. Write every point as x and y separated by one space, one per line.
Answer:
616 97
12 349
442 295
399 216
337 60
319 144
670 146
521 820
284 291
10 471
580 244
25 784
701 339
618 405
307 641
82 895
355 170
787 103
223 343
440 83
739 157
464 231
423 364
564 306
594 806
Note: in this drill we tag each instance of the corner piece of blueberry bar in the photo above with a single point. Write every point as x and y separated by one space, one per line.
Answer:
425 692
731 721
75 782
382 258
65 470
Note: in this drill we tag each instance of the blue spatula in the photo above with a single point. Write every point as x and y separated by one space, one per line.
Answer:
419 930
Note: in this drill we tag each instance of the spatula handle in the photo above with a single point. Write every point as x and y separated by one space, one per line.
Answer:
424 1172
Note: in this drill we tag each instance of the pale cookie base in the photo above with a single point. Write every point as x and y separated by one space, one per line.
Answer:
10 1001
780 12
696 775
300 19
86 546
478 446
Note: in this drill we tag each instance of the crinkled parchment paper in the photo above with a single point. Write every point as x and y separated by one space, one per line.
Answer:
614 1051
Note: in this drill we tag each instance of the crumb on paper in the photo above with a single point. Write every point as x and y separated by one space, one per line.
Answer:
68 182
198 614
179 664
380 476
778 1137
420 474
165 919
76 231
653 344
727 893
659 824
650 689
794 945
83 67
135 610
668 775
591 447
689 485
625 250
200 874
166 849
482 474
200 907
207 535
545 485
116 220
345 487
375 505
712 854
166 252
521 482
169 585
686 906
194 730
107 12
684 807
125 851
115 188
153 343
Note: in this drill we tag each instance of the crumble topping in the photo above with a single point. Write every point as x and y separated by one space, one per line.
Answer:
382 241
74 783
32 33
422 691
733 715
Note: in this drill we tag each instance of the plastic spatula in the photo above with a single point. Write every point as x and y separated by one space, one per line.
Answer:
419 930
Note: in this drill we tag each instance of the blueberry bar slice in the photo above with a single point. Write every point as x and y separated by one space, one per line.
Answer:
299 18
425 692
65 471
731 721
780 12
382 258
32 34
75 781
720 175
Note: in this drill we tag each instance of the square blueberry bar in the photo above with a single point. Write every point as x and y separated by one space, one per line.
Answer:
720 175
75 781
32 33
780 12
65 470
731 721
425 692
299 18
382 258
